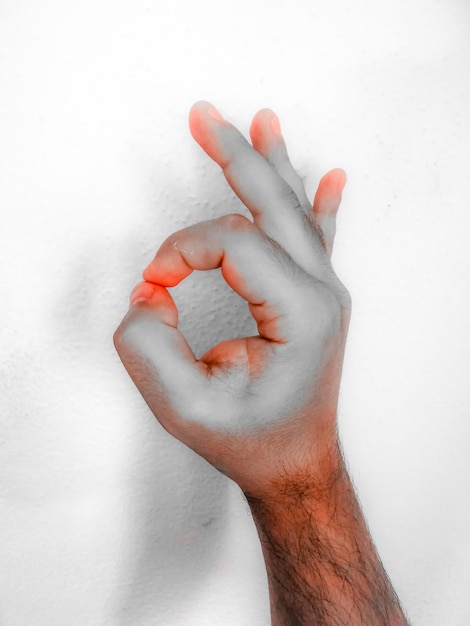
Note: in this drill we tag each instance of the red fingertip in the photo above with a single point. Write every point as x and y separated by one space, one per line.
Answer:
328 196
265 132
156 275
158 300
143 292
212 112
337 179
204 122
257 137
148 274
275 124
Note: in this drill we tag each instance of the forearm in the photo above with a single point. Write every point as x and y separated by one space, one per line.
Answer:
322 566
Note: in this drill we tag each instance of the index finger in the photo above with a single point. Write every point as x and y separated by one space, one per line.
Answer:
262 273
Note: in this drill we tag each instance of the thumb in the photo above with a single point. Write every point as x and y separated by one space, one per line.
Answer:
158 358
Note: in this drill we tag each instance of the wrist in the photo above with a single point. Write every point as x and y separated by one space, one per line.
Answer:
306 476
321 562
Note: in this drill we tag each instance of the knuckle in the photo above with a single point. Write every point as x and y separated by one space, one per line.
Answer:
290 197
122 338
129 335
120 335
117 338
322 310
235 222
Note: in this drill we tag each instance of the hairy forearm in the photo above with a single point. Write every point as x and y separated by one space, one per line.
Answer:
322 566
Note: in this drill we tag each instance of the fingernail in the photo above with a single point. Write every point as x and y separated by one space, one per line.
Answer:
212 111
275 124
142 293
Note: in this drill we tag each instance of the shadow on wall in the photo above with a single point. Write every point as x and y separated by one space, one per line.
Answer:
173 504
176 514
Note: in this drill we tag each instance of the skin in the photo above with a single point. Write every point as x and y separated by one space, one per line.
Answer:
262 409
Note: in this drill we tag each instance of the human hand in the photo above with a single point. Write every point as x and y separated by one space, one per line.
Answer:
255 407
263 409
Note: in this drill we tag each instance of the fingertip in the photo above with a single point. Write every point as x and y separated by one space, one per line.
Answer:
202 109
146 292
204 119
275 123
329 192
200 104
341 176
156 298
160 273
196 116
149 274
265 131
262 116
335 180
142 292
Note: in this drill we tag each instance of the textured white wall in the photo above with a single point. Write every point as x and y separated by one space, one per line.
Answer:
105 519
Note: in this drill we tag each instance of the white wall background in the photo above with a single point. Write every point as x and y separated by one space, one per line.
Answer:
105 520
